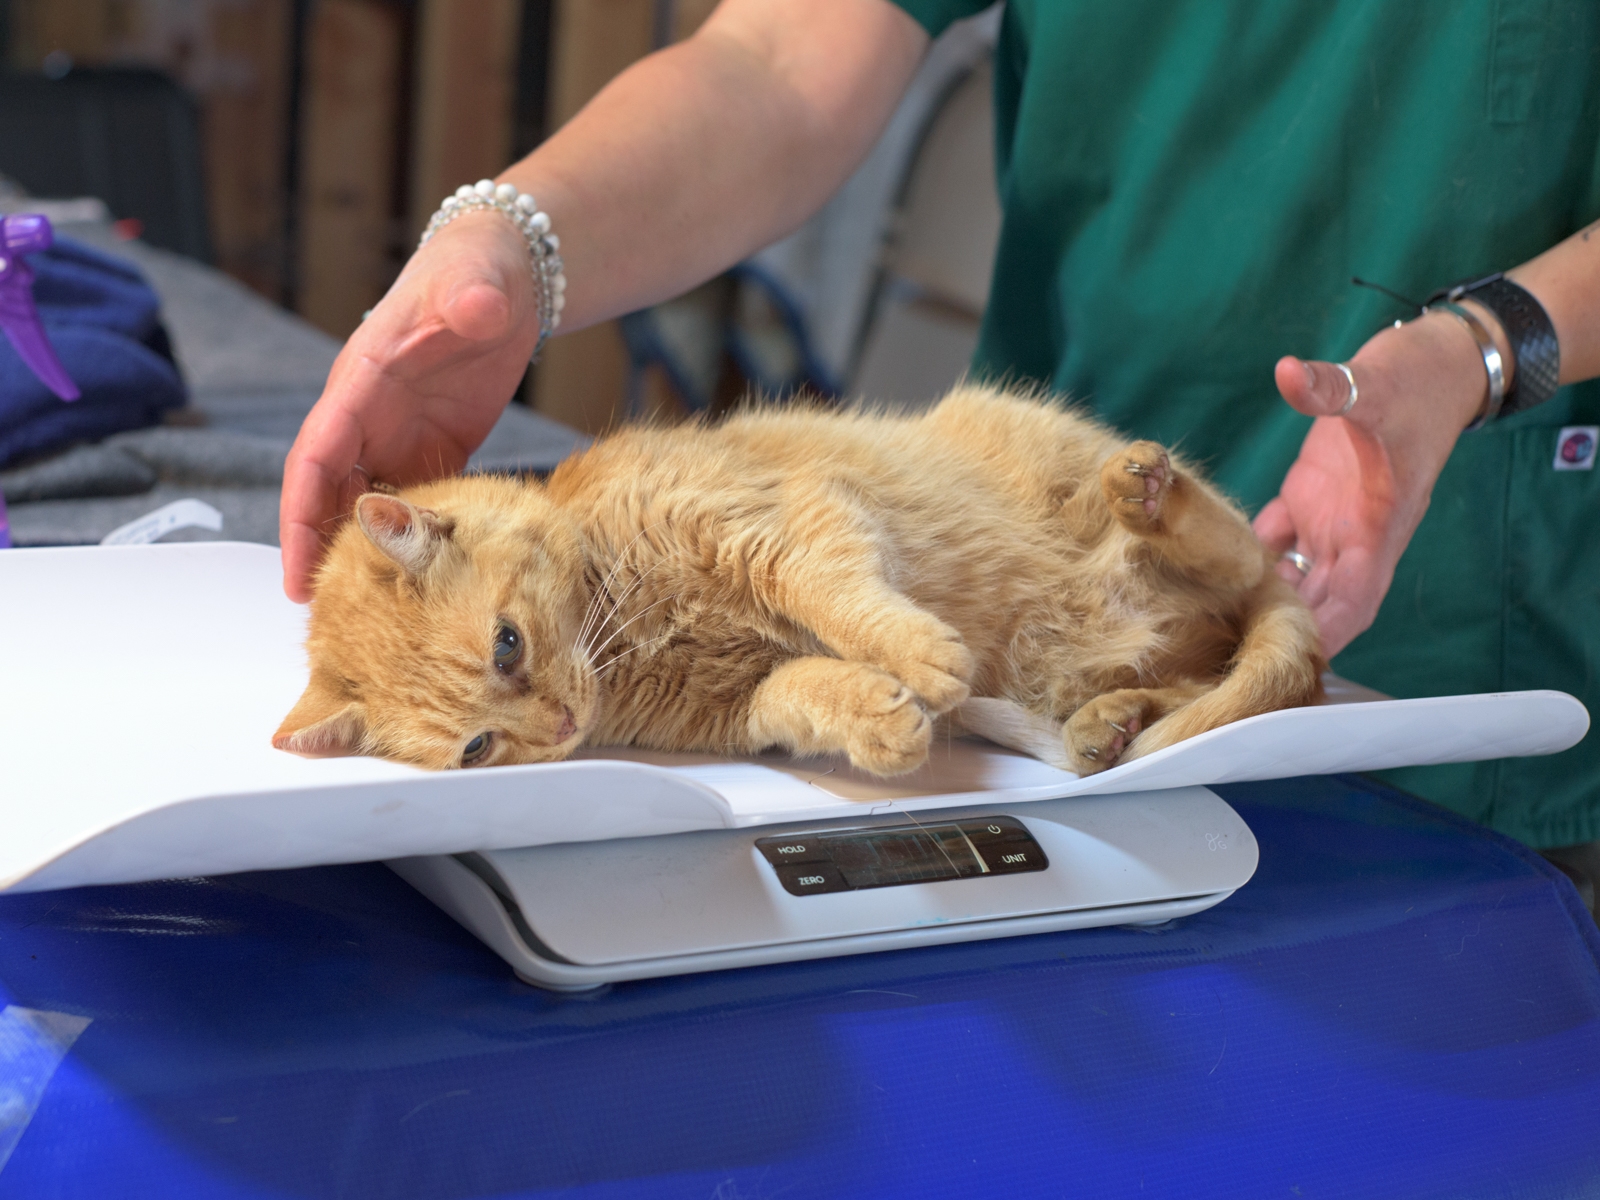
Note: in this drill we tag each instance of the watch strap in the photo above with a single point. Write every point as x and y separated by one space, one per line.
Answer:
1534 349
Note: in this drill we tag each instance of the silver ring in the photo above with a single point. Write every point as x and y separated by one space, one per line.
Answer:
1355 392
1300 562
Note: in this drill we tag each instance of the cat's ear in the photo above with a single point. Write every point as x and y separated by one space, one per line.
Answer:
409 535
325 723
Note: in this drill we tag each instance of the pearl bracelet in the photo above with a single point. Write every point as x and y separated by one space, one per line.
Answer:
543 246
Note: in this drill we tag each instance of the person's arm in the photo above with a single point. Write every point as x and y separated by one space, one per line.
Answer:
1362 482
688 161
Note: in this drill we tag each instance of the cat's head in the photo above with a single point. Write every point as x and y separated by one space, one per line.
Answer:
445 631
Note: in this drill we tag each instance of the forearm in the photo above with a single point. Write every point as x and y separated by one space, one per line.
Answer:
1566 280
704 152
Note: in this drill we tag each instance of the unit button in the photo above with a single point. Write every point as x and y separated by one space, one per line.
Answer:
1004 858
811 879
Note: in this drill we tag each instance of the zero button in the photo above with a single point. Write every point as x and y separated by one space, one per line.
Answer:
811 879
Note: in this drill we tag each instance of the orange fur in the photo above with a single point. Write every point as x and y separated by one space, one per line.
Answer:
816 581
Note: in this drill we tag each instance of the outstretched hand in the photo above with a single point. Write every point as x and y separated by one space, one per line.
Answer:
416 388
1362 481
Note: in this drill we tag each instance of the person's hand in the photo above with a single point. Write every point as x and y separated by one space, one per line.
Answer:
417 387
1362 482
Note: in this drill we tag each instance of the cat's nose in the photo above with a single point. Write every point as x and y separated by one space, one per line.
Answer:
568 726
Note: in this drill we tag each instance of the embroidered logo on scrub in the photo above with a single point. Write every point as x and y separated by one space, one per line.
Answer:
1575 447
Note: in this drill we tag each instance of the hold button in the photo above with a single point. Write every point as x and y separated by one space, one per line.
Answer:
782 852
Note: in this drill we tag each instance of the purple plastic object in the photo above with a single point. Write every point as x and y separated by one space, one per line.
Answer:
28 233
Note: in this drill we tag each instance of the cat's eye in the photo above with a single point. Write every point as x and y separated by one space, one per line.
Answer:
476 749
507 646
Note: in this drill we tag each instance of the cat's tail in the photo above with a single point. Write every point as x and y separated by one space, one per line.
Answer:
1278 664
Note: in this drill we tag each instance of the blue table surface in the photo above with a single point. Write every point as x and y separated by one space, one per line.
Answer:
1399 1004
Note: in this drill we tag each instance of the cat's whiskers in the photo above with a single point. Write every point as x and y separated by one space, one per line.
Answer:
592 614
618 601
617 604
610 666
594 619
604 590
642 613
593 626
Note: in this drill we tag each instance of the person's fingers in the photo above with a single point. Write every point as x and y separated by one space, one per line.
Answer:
315 475
1275 526
1340 621
1289 573
308 519
308 501
302 551
1350 602
477 311
1317 389
478 278
418 385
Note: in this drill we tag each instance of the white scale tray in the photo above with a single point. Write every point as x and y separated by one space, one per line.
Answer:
140 687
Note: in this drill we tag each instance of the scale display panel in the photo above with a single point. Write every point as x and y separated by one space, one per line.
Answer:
579 914
849 860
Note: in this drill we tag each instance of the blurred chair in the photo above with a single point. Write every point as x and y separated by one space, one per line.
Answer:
129 137
922 326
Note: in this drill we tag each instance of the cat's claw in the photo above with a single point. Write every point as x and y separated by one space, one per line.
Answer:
889 732
1136 483
936 665
1099 732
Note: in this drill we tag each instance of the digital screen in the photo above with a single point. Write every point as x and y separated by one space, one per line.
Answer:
853 859
902 856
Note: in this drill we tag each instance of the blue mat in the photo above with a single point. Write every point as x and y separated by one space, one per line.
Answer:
1399 1004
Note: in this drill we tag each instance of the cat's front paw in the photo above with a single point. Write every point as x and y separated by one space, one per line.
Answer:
887 731
935 664
1097 734
1136 483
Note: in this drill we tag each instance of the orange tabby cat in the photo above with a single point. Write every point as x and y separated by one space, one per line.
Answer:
809 580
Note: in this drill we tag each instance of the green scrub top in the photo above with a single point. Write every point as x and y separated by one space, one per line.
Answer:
1188 186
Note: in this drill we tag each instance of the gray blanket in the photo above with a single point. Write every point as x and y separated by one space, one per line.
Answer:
254 371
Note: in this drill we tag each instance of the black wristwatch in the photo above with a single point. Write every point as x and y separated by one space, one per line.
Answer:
1534 348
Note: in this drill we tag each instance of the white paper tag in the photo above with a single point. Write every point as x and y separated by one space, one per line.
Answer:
180 514
33 1042
1575 447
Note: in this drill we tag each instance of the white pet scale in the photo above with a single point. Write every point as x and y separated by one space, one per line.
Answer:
142 685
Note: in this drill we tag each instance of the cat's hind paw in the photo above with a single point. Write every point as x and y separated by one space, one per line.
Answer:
1137 482
1098 733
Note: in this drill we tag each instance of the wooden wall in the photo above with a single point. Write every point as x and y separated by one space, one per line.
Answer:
400 102
465 78
234 54
352 122
582 377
